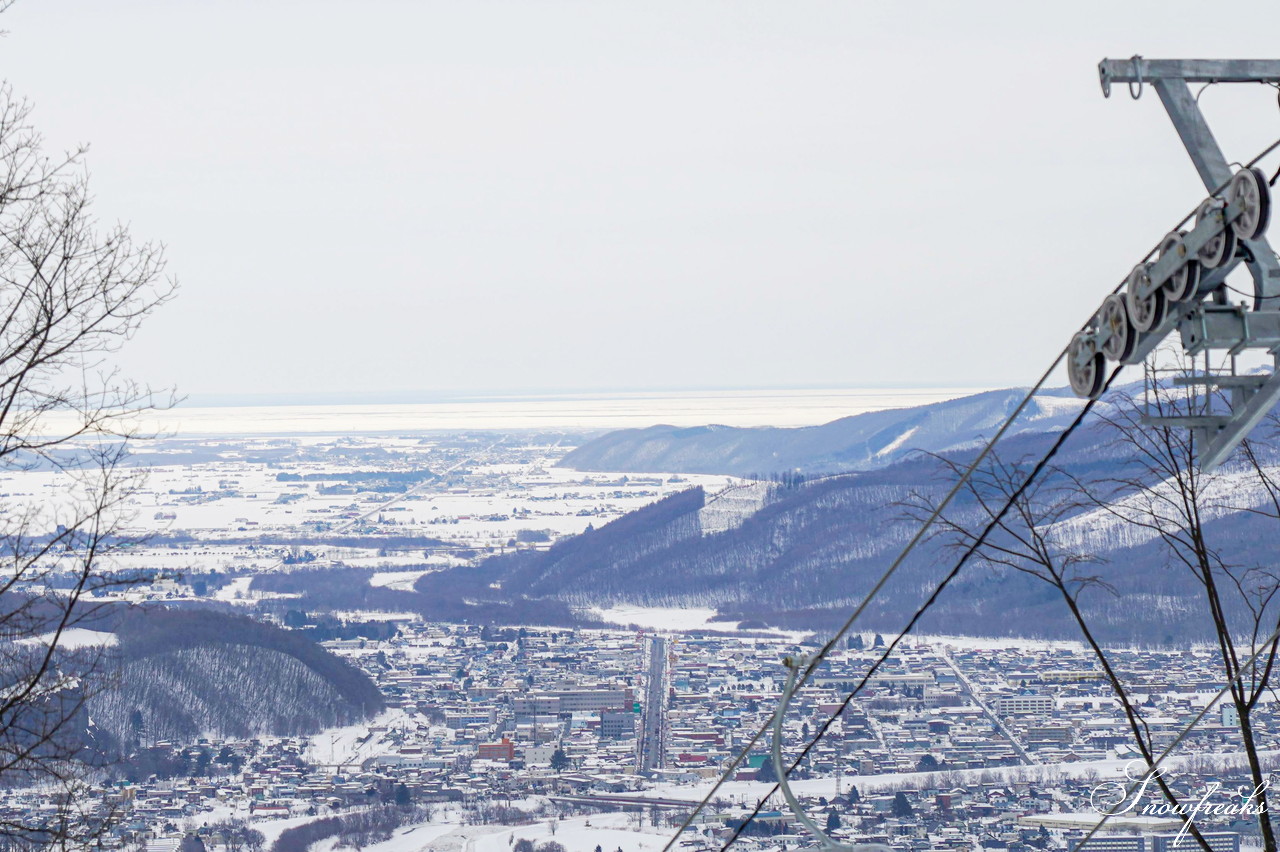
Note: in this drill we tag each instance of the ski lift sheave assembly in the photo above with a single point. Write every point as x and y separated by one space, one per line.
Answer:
1157 295
1183 286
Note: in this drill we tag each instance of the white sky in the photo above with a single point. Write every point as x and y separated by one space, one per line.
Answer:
472 195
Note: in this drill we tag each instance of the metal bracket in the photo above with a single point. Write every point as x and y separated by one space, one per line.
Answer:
1244 418
794 665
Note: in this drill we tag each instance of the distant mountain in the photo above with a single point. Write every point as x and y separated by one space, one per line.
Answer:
859 442
814 550
189 673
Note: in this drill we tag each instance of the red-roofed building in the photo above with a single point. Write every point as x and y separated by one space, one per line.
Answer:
504 751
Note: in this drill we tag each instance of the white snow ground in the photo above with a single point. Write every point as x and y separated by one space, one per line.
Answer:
660 618
75 637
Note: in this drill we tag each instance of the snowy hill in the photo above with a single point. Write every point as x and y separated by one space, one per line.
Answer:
859 442
801 553
189 673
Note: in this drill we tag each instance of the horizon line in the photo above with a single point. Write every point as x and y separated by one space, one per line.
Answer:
256 399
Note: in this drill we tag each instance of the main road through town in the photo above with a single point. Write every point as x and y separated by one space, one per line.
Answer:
976 697
654 734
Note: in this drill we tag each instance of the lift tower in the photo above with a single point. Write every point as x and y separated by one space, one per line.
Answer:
1183 286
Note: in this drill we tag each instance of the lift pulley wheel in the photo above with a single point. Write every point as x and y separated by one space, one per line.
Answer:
1182 284
1122 337
1145 311
1085 366
1249 190
1221 248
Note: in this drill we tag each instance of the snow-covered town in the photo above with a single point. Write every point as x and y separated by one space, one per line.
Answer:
607 730
639 427
597 735
544 733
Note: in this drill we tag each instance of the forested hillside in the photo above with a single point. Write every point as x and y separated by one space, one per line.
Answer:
816 550
189 673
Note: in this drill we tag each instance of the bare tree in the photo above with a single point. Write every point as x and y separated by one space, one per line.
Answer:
1167 497
1026 539
71 293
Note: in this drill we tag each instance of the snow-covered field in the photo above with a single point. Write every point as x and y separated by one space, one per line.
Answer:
354 743
416 838
75 637
609 831
487 504
659 618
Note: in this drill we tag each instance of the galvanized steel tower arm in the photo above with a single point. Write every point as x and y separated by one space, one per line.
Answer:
1138 70
1193 265
1170 79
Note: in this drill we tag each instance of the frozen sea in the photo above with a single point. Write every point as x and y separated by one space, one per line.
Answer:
570 412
